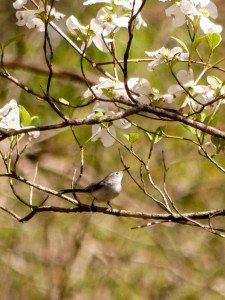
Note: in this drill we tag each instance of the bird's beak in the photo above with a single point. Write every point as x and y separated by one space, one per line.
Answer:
125 169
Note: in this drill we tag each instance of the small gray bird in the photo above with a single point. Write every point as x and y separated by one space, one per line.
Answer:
104 190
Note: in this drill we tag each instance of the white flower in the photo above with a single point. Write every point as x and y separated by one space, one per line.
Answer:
18 4
132 6
90 2
202 9
10 116
201 96
168 98
34 134
99 131
209 27
128 6
178 18
28 18
96 32
186 80
141 89
99 29
216 84
102 134
31 18
73 24
109 21
198 94
164 54
107 89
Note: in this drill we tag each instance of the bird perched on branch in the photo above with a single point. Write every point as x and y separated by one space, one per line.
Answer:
104 190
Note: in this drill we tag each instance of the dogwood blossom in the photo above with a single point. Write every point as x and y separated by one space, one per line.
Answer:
90 2
163 54
109 20
93 33
198 95
99 29
217 85
108 89
202 9
10 116
141 89
32 18
106 136
132 6
18 4
128 6
99 131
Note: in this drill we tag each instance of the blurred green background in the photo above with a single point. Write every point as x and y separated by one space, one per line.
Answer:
93 256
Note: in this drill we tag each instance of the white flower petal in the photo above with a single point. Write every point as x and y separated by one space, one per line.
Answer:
34 134
73 25
175 90
209 27
90 2
168 98
186 77
178 18
122 123
96 132
102 44
212 9
10 116
121 21
107 139
203 3
18 4
188 8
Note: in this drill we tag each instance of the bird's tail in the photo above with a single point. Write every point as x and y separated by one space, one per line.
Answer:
67 191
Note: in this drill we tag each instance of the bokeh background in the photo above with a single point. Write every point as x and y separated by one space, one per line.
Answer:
94 256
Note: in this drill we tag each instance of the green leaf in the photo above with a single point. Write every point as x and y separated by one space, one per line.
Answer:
79 100
201 117
108 92
35 121
189 128
132 137
158 134
213 40
64 101
99 114
181 43
25 117
149 136
219 143
126 136
196 42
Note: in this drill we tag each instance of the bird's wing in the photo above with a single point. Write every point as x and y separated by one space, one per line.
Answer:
93 187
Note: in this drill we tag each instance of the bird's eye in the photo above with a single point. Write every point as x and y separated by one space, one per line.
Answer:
117 173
